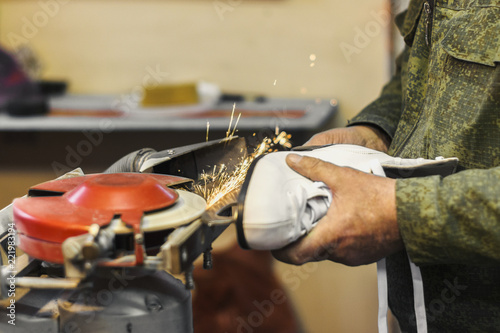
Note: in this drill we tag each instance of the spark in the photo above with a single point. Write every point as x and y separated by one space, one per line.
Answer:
236 124
230 133
208 128
312 57
230 121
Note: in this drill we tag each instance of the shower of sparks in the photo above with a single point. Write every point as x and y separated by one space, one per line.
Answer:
215 185
222 181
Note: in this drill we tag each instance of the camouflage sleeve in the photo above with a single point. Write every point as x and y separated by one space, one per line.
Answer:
449 220
385 111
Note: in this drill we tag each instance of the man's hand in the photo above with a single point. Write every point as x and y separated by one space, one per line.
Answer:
360 226
366 136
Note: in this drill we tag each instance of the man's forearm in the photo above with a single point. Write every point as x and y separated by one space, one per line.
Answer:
451 220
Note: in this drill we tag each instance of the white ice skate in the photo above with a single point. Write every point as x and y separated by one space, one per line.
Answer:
276 205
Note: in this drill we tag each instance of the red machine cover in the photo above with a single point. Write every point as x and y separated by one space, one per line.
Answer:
44 222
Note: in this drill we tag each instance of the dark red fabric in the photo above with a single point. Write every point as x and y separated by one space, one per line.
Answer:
241 295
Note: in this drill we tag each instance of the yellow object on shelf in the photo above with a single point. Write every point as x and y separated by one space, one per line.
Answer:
174 94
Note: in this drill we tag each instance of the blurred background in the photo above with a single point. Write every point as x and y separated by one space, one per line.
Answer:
311 49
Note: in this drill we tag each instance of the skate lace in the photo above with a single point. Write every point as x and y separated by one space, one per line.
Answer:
316 205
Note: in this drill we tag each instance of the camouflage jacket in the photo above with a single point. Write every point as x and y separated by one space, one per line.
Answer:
445 101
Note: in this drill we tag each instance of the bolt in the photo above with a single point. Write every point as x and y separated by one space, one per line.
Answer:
139 239
153 303
207 259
